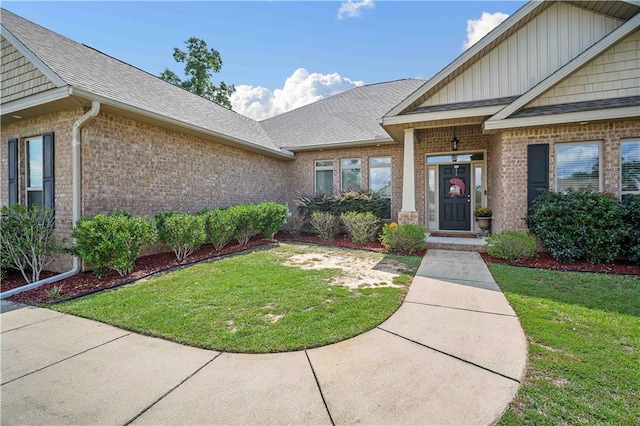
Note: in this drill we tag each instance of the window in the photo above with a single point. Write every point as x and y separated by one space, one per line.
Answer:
34 171
478 173
578 166
324 176
630 167
350 173
380 180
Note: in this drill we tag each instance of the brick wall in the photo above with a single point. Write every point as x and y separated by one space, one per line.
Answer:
513 171
61 124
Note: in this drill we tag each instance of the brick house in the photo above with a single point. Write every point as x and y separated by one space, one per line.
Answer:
549 99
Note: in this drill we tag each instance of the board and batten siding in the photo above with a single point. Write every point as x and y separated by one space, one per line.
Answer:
543 45
18 75
614 74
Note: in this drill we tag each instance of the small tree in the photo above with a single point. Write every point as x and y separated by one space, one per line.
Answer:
220 226
200 64
271 216
185 233
26 239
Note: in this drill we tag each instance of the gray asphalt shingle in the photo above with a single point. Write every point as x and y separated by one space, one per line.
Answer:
578 107
351 116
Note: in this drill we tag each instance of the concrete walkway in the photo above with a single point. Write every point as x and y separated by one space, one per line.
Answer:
452 354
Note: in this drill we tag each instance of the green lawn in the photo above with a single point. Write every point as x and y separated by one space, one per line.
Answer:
583 332
252 302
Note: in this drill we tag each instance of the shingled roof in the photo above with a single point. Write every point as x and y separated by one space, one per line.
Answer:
99 74
346 118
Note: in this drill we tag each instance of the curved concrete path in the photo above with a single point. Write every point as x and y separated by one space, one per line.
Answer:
452 354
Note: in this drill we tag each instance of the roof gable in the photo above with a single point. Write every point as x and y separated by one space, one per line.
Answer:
526 48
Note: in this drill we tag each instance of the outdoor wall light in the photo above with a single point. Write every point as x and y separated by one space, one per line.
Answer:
455 143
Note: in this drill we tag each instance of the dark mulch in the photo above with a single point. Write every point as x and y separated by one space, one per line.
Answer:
86 282
545 261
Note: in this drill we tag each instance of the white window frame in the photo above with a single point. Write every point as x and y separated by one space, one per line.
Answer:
563 144
318 168
27 169
350 167
624 142
385 165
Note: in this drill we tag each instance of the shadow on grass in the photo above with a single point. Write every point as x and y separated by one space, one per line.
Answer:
611 293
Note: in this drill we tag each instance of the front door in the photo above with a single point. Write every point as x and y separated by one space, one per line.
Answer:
455 197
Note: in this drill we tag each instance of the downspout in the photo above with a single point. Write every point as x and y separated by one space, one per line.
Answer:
76 145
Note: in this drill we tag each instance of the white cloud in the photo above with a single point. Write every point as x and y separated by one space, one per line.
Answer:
301 88
351 9
478 28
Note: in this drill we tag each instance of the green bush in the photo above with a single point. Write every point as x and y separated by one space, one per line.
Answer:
112 241
220 226
271 216
344 202
511 246
185 233
245 221
362 227
26 240
407 238
325 224
579 224
631 244
159 221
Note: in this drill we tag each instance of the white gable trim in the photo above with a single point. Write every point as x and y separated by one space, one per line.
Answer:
442 115
572 66
35 100
464 57
44 69
570 117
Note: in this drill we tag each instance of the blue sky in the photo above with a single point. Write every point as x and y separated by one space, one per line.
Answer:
262 44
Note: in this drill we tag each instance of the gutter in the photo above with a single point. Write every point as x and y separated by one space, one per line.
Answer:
76 144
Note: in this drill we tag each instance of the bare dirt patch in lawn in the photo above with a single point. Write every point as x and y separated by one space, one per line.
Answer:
360 269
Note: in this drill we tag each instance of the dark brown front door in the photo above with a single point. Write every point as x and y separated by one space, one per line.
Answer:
455 197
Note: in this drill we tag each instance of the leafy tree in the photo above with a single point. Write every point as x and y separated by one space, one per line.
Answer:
200 64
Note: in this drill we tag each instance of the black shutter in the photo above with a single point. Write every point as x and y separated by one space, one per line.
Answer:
537 171
13 171
48 157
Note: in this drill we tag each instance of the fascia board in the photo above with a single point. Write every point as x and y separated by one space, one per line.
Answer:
570 117
442 115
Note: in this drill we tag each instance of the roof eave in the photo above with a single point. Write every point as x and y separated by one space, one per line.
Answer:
491 124
279 153
441 115
341 145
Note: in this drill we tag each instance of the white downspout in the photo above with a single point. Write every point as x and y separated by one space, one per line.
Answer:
76 145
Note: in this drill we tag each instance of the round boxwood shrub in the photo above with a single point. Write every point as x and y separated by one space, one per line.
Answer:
511 246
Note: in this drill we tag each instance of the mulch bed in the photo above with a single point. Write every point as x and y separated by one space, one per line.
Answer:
545 261
86 282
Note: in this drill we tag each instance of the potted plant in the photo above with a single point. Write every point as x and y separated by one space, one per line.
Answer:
483 217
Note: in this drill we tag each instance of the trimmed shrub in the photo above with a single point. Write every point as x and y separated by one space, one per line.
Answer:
407 238
112 241
271 216
220 227
578 224
325 224
26 239
362 227
245 221
185 233
511 246
344 202
159 221
631 244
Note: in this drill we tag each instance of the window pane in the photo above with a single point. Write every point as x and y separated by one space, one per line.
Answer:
380 180
431 199
631 166
437 159
350 179
34 163
350 162
324 181
379 161
578 166
324 163
478 183
34 198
